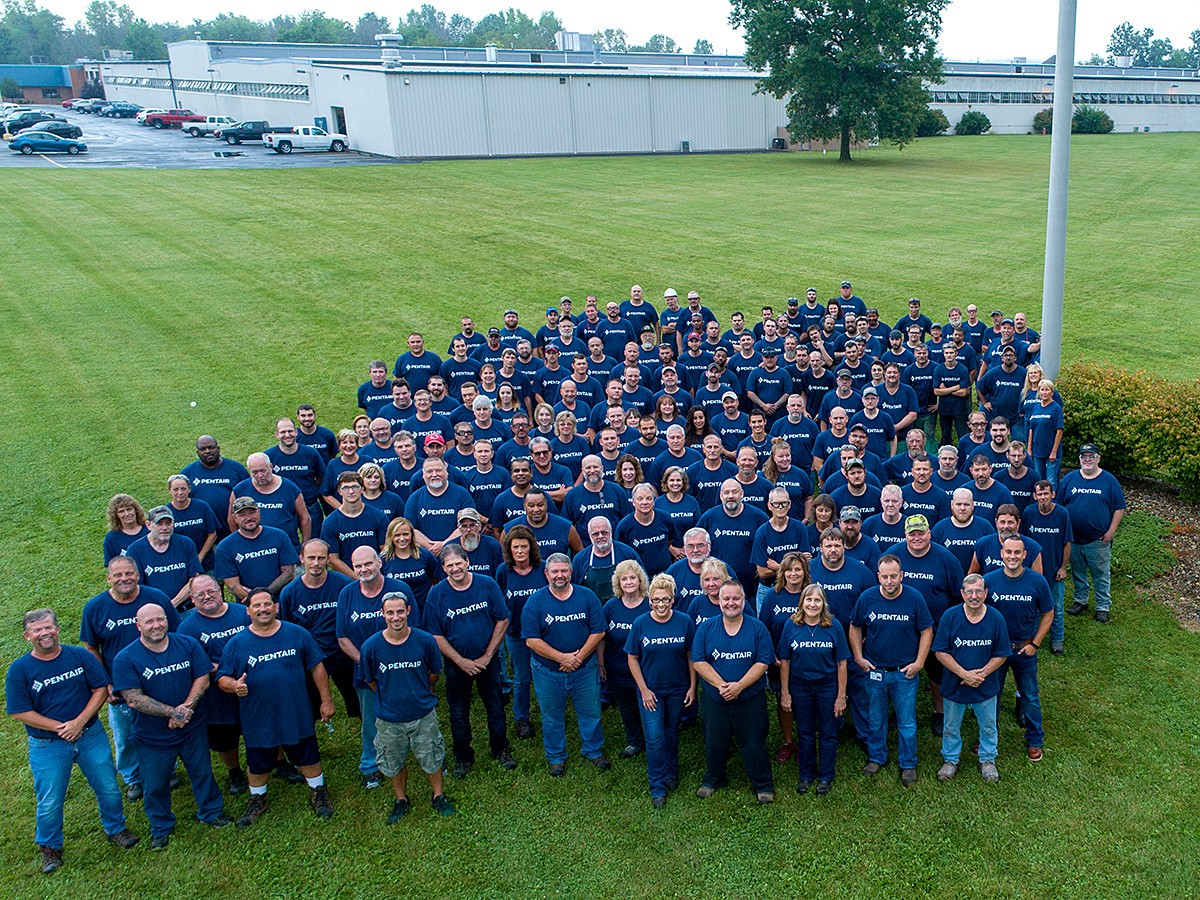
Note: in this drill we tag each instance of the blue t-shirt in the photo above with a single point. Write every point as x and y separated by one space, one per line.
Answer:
255 562
370 397
1091 503
813 651
651 542
581 504
771 544
961 540
213 634
842 587
933 504
987 552
276 509
618 620
891 628
866 551
435 424
733 538
388 504
359 617
1021 488
344 534
1052 531
556 478
920 379
196 522
166 676
416 370
117 542
1043 423
400 673
957 377
275 711
110 626
57 688
322 440
168 571
683 514
552 536
665 460
419 573
869 503
732 656
883 533
881 431
662 650
1003 390
215 486
436 517
304 468
776 608
517 590
937 575
705 484
730 431
1022 601
973 645
315 610
466 618
563 624
485 487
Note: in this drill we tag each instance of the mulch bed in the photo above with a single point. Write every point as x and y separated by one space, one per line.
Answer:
1179 589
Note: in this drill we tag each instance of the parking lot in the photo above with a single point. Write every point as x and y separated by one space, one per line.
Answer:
123 144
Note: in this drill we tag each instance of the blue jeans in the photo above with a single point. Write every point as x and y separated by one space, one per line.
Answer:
120 720
158 765
366 702
901 692
761 593
582 687
985 715
51 760
1046 469
856 699
1024 669
661 728
1092 559
521 677
812 705
1057 590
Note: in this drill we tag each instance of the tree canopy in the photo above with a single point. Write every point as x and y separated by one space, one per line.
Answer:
851 70
1146 50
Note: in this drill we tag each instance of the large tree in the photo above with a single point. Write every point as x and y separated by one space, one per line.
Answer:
851 70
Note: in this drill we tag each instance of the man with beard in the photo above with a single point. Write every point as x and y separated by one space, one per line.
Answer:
733 526
280 502
310 434
594 496
254 555
593 566
433 509
484 552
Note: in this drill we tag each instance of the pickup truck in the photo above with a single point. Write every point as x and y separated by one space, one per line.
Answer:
169 118
249 130
207 125
305 137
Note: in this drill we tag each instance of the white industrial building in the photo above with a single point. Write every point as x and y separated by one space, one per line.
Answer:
420 102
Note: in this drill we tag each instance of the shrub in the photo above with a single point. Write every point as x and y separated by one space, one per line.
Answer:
933 123
1043 122
1143 424
973 122
10 89
1091 120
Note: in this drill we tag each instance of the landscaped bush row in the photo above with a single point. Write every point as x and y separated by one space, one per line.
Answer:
1143 424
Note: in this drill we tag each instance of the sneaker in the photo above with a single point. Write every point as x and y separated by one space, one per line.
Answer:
947 771
602 763
658 802
159 841
990 773
936 723
785 752
524 729
461 769
558 770
371 781
1077 609
672 783
1056 647
221 821
1035 754
872 768
908 777
824 787
506 760
51 859
803 786
631 751
1102 616
321 803
399 811
705 791
258 805
238 783
765 797
442 805
288 772
133 793
123 839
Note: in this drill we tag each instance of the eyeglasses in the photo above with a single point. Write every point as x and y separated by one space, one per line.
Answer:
781 504
541 452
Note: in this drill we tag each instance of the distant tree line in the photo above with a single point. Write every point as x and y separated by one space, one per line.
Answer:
1147 51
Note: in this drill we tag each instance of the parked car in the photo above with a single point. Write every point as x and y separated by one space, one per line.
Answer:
248 130
45 142
305 137
207 125
169 118
89 106
140 118
120 109
62 129
21 121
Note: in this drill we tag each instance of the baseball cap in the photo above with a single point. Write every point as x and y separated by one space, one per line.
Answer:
842 373
670 292
1008 349
242 503
850 514
792 301
855 464
997 312
916 523
869 391
564 299
551 348
859 426
694 334
895 332
495 331
1089 448
469 513
159 513
551 309
434 438
509 312
770 351
810 290
1007 321
725 396
846 284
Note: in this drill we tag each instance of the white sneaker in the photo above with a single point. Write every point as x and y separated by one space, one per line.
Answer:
947 771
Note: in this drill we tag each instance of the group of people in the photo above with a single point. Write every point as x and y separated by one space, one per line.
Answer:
630 508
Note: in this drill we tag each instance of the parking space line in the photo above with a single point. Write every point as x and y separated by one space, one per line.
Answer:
52 162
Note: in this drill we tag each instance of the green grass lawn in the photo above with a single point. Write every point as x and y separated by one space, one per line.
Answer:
130 294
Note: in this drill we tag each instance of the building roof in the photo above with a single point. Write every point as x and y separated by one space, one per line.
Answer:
38 76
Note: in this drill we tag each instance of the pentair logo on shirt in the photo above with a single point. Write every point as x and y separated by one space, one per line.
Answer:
37 686
312 607
972 642
217 635
253 554
253 661
888 617
148 673
740 654
571 617
474 607
403 664
373 614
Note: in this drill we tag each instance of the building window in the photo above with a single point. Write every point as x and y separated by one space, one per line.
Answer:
49 93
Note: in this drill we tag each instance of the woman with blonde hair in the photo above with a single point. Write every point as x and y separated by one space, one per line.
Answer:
412 564
629 603
775 608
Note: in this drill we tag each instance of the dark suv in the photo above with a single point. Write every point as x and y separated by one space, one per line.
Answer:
20 122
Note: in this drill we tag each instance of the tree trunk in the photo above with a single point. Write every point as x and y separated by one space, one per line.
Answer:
845 156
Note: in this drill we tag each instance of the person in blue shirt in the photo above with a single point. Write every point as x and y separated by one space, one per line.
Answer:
512 332
468 618
264 666
1023 597
920 377
652 534
126 524
351 525
813 651
988 558
947 477
300 464
165 560
212 478
254 555
658 647
418 364
629 588
971 644
520 576
890 634
1096 504
963 529
706 477
780 535
594 496
732 652
732 527
377 390
433 509
194 519
1044 422
56 692
163 678
921 496
401 665
1049 524
1000 388
887 527
952 387
280 502
730 425
915 317
310 434
563 625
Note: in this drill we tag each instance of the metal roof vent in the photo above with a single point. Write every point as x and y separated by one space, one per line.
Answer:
390 49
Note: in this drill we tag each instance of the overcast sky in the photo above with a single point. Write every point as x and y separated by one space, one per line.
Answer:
972 29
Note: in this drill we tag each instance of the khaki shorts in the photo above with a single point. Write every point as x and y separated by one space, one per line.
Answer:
394 740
